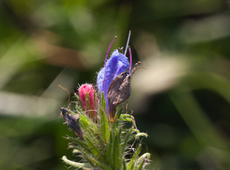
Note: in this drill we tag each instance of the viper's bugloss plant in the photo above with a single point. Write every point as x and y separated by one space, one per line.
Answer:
106 136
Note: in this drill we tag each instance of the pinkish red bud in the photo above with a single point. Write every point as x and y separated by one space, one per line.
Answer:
87 95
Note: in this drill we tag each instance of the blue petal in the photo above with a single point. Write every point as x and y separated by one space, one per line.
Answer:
100 79
110 70
123 63
114 66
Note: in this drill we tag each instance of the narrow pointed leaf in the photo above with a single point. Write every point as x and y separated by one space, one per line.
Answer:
104 123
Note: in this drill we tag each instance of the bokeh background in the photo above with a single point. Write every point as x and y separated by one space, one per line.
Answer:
180 94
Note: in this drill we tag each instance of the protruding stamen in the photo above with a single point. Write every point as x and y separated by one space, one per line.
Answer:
109 48
127 43
130 60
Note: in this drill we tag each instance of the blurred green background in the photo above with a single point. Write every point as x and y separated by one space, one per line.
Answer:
180 94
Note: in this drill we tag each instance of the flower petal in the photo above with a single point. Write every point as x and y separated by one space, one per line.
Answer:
114 66
100 79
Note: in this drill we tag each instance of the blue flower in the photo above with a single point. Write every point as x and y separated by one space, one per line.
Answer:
114 66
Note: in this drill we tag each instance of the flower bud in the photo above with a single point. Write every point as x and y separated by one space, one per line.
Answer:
87 97
72 122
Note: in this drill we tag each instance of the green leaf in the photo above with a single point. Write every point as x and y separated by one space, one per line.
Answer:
113 153
117 154
86 122
104 123
90 135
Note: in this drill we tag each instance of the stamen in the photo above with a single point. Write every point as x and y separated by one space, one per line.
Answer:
109 48
130 60
127 43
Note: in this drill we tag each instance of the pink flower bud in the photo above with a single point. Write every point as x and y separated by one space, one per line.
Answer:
87 96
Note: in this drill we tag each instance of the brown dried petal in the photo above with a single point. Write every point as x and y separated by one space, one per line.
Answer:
119 90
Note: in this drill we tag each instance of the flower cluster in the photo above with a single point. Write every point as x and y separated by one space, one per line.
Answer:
102 138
